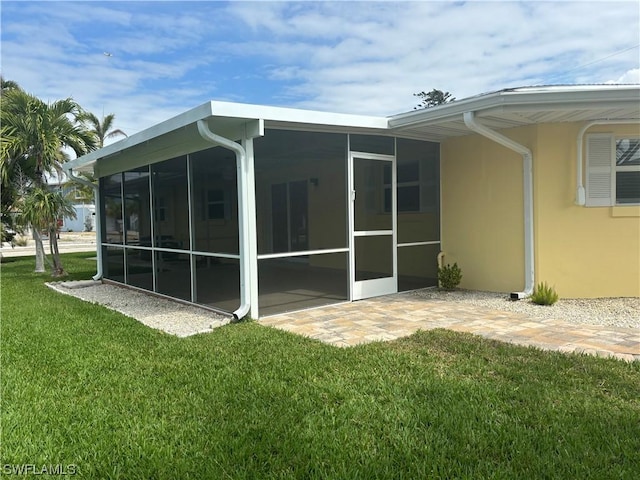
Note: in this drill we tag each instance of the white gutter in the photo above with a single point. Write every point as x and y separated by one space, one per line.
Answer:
241 168
96 200
527 162
581 196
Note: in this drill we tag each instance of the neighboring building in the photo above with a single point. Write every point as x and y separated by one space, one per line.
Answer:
260 209
85 220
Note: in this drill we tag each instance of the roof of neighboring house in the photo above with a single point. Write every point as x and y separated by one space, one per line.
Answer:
498 110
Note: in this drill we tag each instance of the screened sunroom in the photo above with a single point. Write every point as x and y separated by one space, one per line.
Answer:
256 210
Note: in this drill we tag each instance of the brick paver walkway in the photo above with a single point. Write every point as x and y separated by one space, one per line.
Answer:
394 316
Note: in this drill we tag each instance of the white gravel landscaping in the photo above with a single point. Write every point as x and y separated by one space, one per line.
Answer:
155 312
184 320
617 312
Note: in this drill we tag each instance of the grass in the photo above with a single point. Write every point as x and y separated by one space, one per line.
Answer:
85 386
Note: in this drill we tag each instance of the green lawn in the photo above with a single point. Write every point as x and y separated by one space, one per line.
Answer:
85 386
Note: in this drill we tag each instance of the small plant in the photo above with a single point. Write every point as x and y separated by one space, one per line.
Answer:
88 224
449 276
543 294
21 241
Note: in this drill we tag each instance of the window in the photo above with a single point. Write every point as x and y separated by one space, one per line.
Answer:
77 193
613 170
416 187
161 211
215 204
408 187
627 170
372 144
312 166
289 213
111 200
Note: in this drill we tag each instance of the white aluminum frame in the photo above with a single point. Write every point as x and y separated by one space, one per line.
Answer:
379 286
620 168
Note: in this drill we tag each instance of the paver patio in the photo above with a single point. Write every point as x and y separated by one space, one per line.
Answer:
394 316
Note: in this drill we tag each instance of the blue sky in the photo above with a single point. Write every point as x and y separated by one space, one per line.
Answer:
354 57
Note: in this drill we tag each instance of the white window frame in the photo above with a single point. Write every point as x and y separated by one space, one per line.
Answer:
600 190
621 168
77 194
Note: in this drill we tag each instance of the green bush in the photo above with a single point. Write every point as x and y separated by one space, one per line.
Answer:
543 294
449 276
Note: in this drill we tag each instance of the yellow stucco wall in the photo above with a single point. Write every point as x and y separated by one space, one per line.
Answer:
482 211
583 251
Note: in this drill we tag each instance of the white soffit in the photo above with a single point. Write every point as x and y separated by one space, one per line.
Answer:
524 106
498 110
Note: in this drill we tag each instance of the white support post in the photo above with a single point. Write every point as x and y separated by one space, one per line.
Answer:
250 199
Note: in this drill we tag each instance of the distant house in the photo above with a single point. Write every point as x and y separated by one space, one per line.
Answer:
85 210
260 210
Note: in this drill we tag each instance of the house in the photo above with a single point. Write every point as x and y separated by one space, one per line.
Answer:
84 208
258 210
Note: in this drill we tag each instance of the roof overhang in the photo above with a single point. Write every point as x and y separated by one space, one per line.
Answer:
179 135
520 107
499 110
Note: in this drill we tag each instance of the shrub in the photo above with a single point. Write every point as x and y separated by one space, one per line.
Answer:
543 294
88 224
449 276
21 241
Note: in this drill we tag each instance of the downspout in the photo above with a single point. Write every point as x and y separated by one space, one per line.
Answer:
241 168
96 201
581 197
527 162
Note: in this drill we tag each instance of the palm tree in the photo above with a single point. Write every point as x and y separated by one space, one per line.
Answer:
33 135
8 170
35 132
6 85
41 208
102 129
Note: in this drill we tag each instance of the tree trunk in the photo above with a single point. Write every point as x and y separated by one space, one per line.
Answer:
39 250
57 270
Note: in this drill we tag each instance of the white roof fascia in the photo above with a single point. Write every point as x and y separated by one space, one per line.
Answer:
182 120
295 117
507 101
549 98
576 88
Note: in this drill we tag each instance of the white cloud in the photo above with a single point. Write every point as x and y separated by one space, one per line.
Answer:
630 76
374 64
358 57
